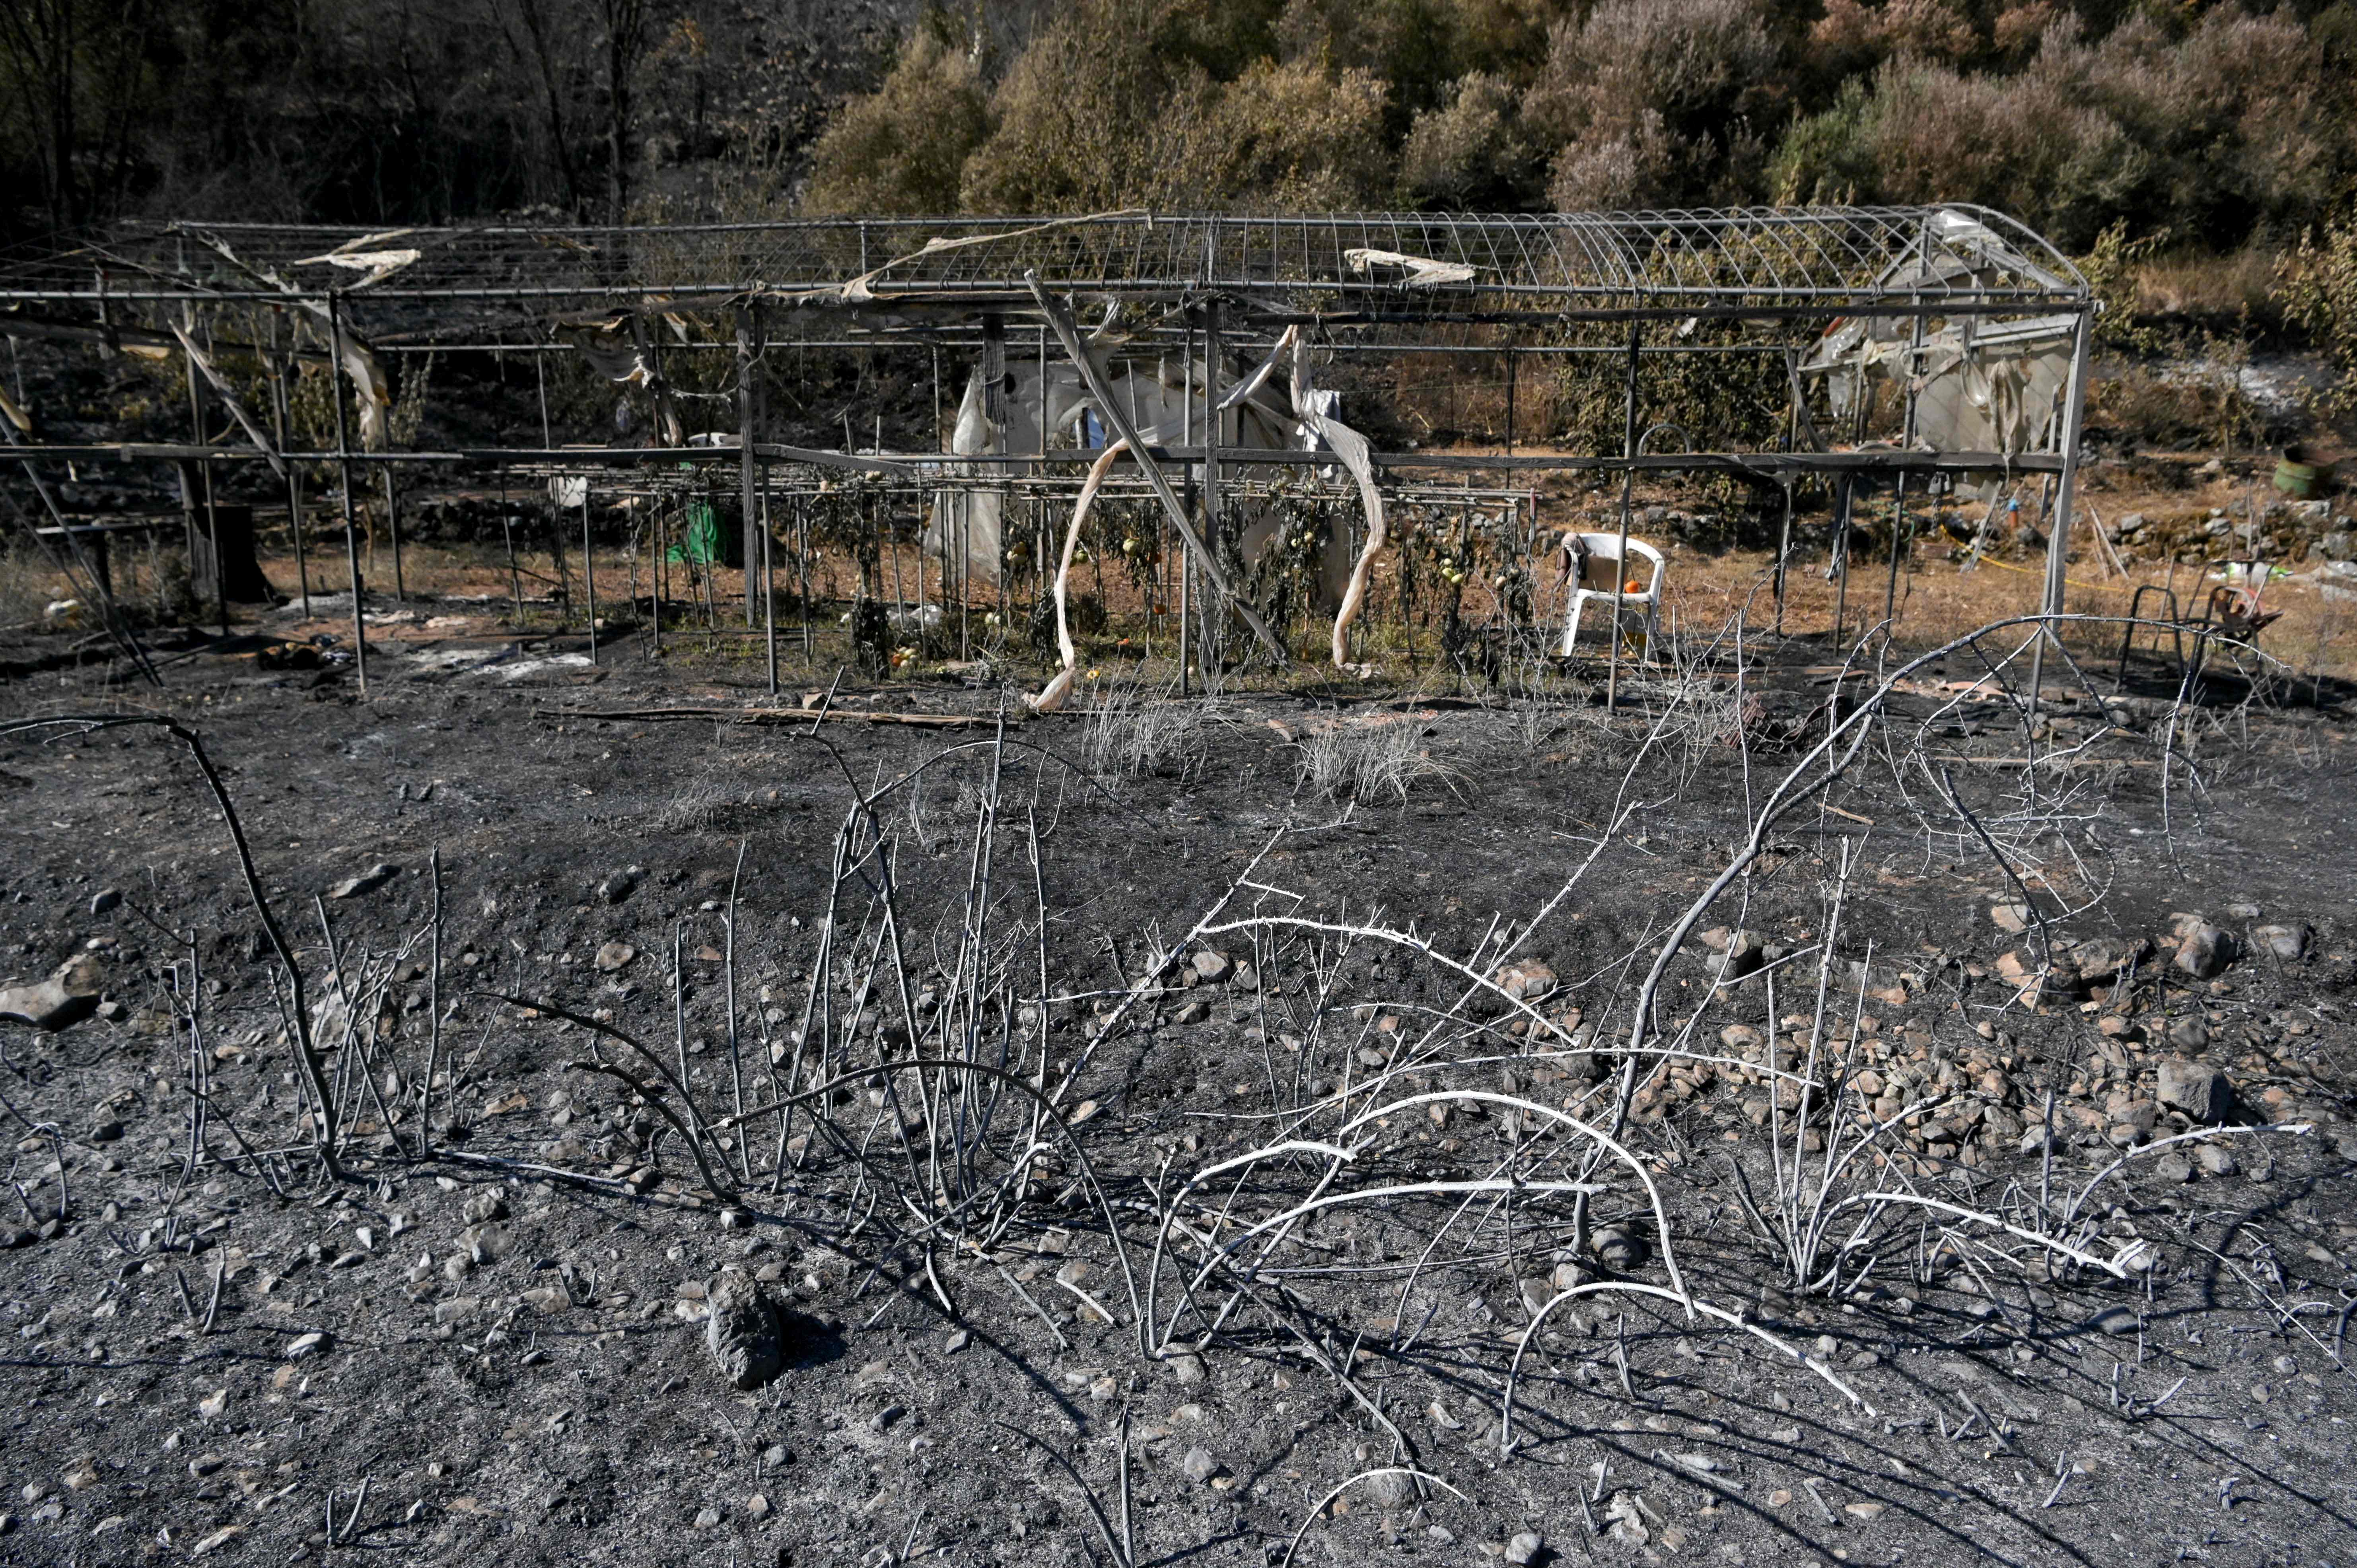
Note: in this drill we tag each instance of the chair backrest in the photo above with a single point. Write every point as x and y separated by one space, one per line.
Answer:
1603 553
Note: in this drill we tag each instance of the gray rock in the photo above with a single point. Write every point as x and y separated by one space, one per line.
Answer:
1199 1466
2216 1160
106 900
2203 951
45 1004
1525 1548
2195 1087
2101 959
615 956
1187 1369
63 999
741 1330
367 881
2116 1320
1617 1247
1213 966
1392 1490
1743 957
487 1244
2288 942
619 885
2011 918
2173 1168
2189 1034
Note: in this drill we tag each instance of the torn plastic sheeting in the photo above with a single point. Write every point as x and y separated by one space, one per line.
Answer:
967 521
373 396
1992 393
1358 457
1423 272
1060 689
616 348
378 265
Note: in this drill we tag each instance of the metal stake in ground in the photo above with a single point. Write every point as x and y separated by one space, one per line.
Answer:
193 476
2058 537
746 433
1060 321
1621 561
393 527
281 412
515 577
769 590
344 462
589 571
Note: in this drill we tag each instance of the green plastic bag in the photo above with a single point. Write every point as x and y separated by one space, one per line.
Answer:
705 541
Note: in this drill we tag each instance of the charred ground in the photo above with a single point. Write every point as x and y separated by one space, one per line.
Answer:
483 1344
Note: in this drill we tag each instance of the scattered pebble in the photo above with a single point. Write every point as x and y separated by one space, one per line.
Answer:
367 881
2116 1320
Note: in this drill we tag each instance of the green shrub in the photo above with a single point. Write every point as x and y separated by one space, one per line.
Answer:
1657 103
1469 155
2319 293
903 148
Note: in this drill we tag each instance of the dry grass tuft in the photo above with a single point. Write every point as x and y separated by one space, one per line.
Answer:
1372 762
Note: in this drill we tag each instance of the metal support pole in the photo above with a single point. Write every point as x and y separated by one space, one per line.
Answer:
515 577
1841 555
540 380
1628 482
994 396
1510 400
1906 439
1784 555
1186 552
1792 444
203 478
344 463
2058 535
801 568
769 590
282 419
1209 432
589 571
392 526
1898 543
745 326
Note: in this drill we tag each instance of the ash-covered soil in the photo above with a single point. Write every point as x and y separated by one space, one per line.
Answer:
484 1343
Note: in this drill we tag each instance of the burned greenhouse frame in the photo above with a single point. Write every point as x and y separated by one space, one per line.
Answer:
1067 328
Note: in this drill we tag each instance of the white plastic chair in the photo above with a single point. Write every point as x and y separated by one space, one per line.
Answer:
1594 560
